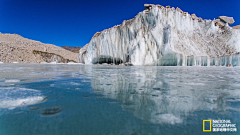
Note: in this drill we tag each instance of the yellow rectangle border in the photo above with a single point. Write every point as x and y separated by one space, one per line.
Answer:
204 126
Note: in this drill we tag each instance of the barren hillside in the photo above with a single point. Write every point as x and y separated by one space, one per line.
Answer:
15 48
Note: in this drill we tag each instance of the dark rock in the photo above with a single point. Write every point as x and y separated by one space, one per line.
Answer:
199 19
51 111
230 65
51 57
128 64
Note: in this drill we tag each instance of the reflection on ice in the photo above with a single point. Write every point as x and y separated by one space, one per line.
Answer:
166 118
12 80
168 94
16 97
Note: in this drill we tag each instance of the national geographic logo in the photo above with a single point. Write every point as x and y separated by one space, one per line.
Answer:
219 126
205 123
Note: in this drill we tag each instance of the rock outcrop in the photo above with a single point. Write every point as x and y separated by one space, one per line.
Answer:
15 48
226 19
72 49
220 24
236 27
194 16
51 57
165 36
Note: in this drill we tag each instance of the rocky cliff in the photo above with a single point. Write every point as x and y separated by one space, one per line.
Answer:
51 57
15 48
166 36
72 49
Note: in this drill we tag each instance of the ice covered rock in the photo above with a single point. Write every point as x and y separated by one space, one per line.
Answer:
162 36
185 13
167 6
179 10
148 5
199 19
226 19
194 16
220 24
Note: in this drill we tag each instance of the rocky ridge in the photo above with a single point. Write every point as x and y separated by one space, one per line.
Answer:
236 27
15 48
72 49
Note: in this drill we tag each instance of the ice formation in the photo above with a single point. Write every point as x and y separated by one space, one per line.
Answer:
16 97
165 36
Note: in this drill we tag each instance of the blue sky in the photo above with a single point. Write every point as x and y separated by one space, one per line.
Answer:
74 22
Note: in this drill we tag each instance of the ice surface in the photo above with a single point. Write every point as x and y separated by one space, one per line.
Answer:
163 36
166 118
16 97
12 80
94 99
53 62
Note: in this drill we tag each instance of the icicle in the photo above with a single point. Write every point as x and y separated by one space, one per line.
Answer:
208 61
195 61
178 60
216 61
183 61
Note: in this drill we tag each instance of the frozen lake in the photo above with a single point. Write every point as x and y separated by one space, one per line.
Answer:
61 99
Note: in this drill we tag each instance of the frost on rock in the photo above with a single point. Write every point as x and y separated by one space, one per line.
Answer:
165 36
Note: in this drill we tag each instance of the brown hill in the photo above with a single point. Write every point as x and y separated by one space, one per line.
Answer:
72 49
236 27
15 48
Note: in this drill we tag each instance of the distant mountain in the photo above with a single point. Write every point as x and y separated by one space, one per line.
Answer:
72 49
15 48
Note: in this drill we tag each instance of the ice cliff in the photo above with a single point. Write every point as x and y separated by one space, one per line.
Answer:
165 36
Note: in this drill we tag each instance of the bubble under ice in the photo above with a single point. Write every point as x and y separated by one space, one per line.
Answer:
164 36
